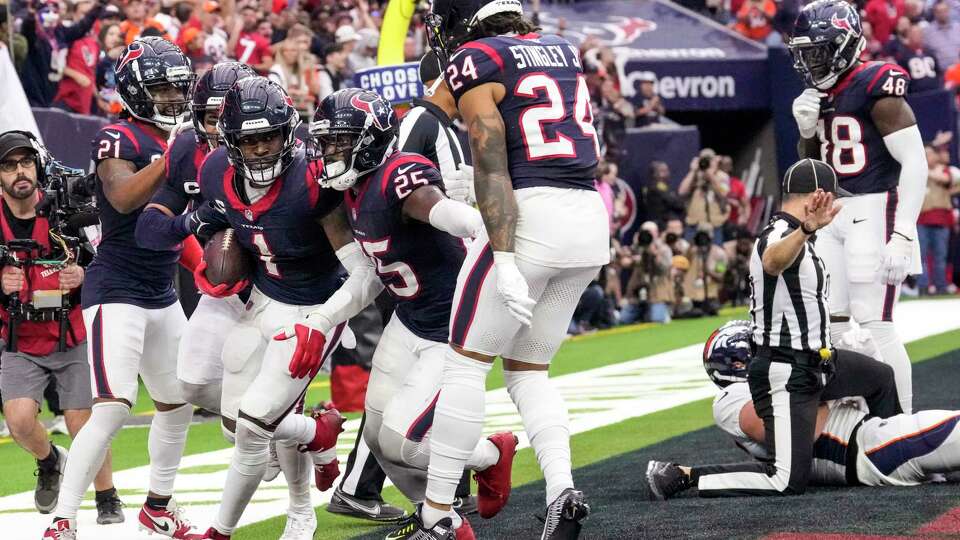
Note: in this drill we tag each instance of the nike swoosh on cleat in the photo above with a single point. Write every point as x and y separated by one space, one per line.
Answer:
165 527
375 509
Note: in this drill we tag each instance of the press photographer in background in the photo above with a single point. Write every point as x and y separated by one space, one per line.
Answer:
650 290
704 278
705 189
43 329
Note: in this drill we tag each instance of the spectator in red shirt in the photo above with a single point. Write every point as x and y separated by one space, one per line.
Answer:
249 45
737 196
883 15
76 90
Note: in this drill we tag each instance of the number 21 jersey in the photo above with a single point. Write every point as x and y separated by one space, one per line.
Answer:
849 140
548 122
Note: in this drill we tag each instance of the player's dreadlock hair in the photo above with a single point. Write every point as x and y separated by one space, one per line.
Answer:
503 23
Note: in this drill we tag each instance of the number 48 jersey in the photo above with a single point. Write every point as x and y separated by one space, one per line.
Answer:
849 140
550 137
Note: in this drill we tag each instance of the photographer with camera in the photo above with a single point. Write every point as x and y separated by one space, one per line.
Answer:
705 188
704 279
43 327
649 290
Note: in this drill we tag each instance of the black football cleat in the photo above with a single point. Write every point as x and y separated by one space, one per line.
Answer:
370 510
565 516
665 480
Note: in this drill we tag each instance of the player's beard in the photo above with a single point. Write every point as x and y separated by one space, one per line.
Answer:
21 187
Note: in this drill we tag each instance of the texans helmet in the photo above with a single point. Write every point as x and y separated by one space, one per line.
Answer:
353 132
727 353
827 41
450 22
155 80
257 111
208 95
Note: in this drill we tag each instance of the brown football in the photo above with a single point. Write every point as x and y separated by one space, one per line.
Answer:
227 261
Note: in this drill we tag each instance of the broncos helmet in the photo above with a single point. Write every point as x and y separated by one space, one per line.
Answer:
827 41
252 108
148 68
208 95
353 132
450 22
727 353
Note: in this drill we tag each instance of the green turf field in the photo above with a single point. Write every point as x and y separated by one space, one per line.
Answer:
578 354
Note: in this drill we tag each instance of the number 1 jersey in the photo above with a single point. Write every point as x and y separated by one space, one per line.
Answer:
548 121
849 140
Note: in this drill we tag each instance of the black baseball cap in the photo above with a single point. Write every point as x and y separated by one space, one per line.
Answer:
429 67
13 140
809 175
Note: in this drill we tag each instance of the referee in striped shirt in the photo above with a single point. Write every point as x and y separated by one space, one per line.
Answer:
794 367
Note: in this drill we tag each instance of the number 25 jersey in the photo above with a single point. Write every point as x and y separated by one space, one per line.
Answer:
849 140
548 121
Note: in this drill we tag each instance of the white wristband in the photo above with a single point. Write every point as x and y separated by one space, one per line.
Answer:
504 257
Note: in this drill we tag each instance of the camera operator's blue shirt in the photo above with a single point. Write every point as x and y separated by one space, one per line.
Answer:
122 272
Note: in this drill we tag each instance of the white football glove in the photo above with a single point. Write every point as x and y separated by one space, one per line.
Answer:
895 259
459 185
858 340
513 288
806 111
177 130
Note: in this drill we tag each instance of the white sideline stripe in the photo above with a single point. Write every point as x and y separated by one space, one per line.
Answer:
595 398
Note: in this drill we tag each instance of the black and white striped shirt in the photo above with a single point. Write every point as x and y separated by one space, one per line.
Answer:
428 131
789 310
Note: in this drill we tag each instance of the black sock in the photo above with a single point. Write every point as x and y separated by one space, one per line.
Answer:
158 503
694 476
106 494
49 462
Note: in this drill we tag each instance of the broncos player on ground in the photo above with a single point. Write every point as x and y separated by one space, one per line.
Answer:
854 116
163 225
852 447
130 307
411 235
283 219
525 102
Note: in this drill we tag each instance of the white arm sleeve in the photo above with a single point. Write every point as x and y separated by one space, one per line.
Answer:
906 146
456 218
356 293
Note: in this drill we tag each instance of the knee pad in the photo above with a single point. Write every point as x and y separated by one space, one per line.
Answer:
206 396
243 343
372 426
251 453
109 416
402 451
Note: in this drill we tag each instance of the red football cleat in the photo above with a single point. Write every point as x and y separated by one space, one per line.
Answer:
493 483
329 426
324 475
214 534
61 529
167 521
465 531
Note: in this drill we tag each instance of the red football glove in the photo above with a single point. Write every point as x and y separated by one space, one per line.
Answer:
308 357
217 291
324 475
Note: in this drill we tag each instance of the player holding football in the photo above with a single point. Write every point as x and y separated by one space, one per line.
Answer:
525 102
410 232
130 308
854 116
282 218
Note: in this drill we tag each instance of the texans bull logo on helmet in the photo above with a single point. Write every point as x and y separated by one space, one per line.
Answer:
842 24
376 108
134 51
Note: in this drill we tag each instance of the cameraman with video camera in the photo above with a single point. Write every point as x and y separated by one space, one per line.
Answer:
705 188
704 279
43 328
649 290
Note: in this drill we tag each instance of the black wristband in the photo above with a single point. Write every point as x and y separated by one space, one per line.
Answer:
805 231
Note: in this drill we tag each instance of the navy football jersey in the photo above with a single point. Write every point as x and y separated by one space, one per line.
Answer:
417 263
925 75
849 140
122 271
181 191
550 137
295 263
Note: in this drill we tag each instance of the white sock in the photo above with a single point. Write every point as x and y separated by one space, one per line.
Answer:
457 426
296 427
87 453
544 416
246 470
485 455
297 469
168 434
431 516
894 354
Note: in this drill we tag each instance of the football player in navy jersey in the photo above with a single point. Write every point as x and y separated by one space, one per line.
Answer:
163 225
278 214
854 116
411 235
130 308
524 100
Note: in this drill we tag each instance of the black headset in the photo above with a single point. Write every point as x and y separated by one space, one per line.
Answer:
42 156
